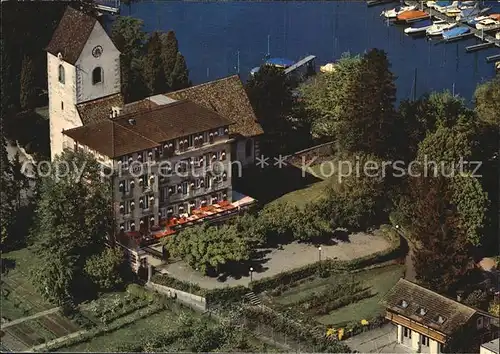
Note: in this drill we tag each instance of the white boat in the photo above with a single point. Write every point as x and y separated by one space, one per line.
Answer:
393 13
487 23
497 36
443 9
438 28
421 27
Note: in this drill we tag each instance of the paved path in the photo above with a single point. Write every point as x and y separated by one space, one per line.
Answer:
379 340
55 341
410 273
27 318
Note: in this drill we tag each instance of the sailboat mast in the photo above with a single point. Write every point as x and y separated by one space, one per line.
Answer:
268 55
238 62
415 85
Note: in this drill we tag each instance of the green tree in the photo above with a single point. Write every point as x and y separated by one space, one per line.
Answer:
128 35
366 125
270 94
472 204
179 78
358 200
170 48
487 101
27 96
442 256
7 201
73 219
153 65
447 145
105 269
207 248
19 179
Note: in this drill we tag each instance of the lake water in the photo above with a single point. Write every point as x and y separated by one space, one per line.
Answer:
210 35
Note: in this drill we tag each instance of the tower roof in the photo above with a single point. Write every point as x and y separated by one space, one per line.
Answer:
71 34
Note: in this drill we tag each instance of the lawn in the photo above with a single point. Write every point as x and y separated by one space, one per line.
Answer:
378 281
19 297
381 280
314 191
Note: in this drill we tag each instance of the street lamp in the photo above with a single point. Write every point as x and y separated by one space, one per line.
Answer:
397 226
251 274
319 253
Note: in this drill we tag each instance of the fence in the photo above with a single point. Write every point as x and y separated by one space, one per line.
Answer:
325 150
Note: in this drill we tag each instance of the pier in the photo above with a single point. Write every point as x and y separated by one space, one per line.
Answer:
109 6
488 40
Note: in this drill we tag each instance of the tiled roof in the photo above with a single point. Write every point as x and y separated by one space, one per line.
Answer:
71 34
118 137
455 314
227 97
98 110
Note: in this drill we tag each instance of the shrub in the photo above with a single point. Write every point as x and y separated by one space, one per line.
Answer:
225 296
174 283
139 292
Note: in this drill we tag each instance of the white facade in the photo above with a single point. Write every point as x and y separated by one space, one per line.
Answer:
62 101
69 85
108 62
416 341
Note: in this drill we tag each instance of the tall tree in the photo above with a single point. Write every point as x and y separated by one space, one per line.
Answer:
7 197
153 66
270 94
179 78
441 257
366 125
74 217
170 48
27 95
487 99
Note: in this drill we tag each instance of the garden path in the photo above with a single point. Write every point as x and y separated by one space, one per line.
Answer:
27 318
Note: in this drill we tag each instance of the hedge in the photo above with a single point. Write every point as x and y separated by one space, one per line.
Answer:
223 296
174 283
328 267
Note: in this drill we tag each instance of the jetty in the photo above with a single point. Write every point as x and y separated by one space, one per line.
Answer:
108 6
487 39
304 62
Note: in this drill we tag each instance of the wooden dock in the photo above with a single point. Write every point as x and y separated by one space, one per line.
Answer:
489 41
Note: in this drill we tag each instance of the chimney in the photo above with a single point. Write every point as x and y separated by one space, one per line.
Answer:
116 111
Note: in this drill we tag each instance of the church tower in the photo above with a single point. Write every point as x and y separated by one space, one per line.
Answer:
83 65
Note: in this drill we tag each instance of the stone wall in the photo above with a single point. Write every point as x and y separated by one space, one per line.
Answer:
194 301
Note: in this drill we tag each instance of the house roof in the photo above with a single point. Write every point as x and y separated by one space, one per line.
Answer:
98 110
455 314
117 137
71 34
492 346
227 97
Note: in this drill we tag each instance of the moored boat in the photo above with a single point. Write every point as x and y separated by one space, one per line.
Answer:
438 28
411 16
470 13
393 13
487 24
455 32
497 36
420 27
434 4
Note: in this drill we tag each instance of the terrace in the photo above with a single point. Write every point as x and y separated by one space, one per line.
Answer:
210 213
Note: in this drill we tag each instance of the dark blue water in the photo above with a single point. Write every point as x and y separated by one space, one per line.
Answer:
211 34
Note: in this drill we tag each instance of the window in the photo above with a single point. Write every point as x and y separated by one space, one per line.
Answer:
62 106
439 319
222 156
421 311
163 194
211 138
184 187
403 304
248 148
190 141
97 75
62 78
479 322
406 332
125 207
424 341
